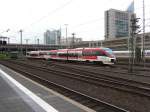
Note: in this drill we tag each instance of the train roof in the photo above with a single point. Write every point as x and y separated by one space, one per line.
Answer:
38 51
94 48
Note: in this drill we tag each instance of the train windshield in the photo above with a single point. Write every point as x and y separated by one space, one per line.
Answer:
108 50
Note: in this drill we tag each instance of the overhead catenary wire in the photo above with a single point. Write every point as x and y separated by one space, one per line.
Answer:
99 19
75 26
88 22
50 13
61 7
54 11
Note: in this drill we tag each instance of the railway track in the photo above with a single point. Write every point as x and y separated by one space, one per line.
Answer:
121 66
96 104
81 64
116 69
99 79
97 74
136 67
105 69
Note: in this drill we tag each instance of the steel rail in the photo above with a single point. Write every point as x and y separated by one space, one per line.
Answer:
105 105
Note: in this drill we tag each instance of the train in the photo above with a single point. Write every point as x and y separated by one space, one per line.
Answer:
95 55
37 54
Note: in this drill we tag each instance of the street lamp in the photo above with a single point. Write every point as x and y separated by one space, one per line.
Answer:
21 50
38 41
66 34
73 39
20 36
26 44
8 40
143 35
26 40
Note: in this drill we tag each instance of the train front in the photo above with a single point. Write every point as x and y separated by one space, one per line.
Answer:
109 58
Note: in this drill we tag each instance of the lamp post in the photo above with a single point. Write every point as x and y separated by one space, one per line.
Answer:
26 45
27 40
66 35
73 39
143 35
8 40
20 36
38 42
35 42
21 51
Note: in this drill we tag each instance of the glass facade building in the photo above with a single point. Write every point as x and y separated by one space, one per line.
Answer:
52 37
117 23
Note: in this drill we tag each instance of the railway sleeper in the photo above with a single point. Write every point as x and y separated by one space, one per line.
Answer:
91 105
85 101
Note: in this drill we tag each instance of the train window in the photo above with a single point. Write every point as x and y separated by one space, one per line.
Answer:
42 53
33 54
87 53
70 54
98 53
52 53
28 54
62 54
148 53
76 54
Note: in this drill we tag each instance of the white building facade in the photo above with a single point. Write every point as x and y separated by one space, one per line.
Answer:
117 23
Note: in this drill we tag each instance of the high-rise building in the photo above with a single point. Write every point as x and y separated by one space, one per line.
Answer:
52 37
117 23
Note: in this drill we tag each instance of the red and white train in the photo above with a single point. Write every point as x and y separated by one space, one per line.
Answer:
37 54
98 55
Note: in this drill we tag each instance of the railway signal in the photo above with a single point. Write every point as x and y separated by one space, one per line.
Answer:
3 42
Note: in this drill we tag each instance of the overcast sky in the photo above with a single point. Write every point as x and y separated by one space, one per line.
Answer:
84 17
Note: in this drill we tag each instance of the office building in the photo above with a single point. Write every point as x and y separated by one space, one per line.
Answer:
52 37
117 23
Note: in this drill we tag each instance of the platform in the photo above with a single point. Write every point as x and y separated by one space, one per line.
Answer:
20 94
